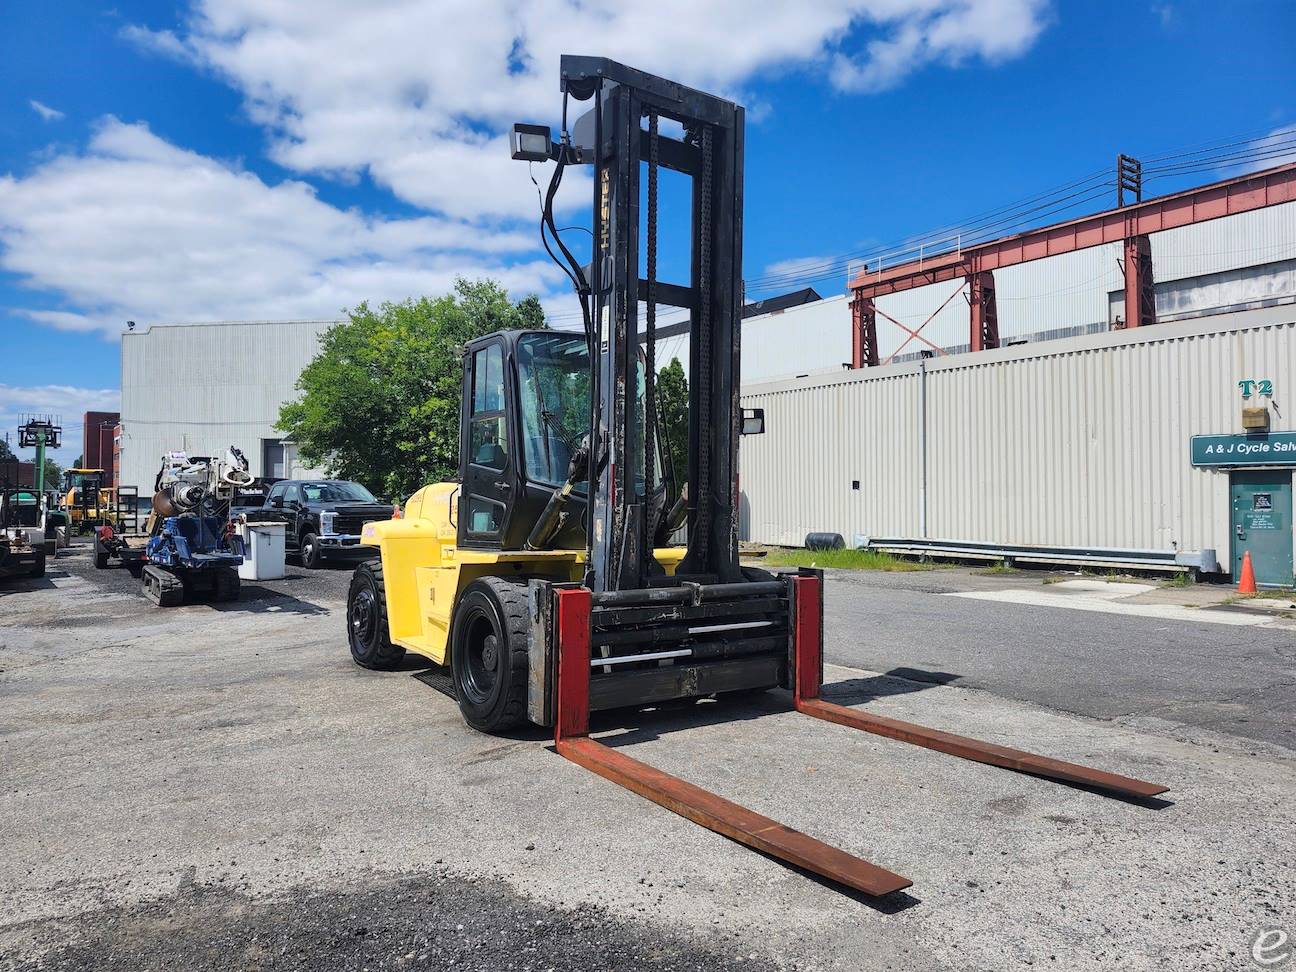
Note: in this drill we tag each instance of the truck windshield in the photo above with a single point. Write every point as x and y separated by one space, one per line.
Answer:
337 493
553 373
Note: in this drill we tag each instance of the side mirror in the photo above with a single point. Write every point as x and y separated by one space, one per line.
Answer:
276 502
753 421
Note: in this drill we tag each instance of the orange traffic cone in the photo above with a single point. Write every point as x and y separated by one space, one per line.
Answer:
1246 583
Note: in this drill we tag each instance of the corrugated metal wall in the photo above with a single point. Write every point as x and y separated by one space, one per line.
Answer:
204 387
801 340
1078 442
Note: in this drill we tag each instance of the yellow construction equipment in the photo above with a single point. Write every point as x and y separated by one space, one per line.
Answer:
87 498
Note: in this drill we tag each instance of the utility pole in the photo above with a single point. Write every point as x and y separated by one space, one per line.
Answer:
1129 179
39 432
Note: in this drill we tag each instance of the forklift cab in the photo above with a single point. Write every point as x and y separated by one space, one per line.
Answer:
526 412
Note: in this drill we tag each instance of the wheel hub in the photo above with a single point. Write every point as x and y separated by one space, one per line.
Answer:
362 615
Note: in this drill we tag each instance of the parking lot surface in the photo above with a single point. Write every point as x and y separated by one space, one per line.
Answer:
218 786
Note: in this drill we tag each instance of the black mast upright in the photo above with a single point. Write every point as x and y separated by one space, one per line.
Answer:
628 108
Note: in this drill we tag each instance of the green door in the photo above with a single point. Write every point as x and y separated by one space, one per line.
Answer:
1262 524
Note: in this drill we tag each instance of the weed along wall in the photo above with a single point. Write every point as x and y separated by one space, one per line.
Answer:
1084 442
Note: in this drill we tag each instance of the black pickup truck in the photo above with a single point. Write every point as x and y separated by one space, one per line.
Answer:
324 517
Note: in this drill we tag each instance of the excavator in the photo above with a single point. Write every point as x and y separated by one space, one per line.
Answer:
543 578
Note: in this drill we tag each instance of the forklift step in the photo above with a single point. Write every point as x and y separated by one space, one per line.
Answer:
733 821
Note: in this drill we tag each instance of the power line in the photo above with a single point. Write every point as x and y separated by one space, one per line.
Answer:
1260 146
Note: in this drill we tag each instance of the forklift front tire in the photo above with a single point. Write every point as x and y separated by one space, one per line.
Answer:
367 633
488 654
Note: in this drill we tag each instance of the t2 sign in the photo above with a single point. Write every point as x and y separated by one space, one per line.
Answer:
1262 387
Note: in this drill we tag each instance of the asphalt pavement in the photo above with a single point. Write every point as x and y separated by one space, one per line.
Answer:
217 786
1236 680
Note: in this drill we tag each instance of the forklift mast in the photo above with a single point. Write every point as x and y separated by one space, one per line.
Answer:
619 134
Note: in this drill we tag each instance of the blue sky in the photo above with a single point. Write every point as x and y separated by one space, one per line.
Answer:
231 159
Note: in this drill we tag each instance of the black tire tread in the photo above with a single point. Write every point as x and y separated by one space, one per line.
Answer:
511 595
388 655
517 619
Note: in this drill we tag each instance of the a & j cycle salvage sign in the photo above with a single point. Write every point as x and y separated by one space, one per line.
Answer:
1265 449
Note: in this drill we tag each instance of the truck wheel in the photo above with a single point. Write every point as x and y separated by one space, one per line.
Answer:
367 632
488 654
38 568
311 557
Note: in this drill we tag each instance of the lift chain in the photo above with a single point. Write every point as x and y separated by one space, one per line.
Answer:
705 411
650 345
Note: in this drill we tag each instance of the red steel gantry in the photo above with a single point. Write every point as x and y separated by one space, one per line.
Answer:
1129 225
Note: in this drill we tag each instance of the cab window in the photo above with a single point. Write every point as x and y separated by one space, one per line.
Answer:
488 444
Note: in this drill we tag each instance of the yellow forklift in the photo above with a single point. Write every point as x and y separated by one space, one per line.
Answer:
543 577
87 499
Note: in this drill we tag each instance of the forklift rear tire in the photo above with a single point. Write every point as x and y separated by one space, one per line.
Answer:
488 654
367 632
311 557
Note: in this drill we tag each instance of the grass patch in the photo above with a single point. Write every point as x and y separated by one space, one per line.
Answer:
1268 595
997 569
1181 579
848 559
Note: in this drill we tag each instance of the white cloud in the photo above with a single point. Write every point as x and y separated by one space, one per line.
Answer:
797 266
1276 148
45 111
137 228
64 402
417 93
942 33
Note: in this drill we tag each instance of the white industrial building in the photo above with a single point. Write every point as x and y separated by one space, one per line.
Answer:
842 452
1075 450
202 388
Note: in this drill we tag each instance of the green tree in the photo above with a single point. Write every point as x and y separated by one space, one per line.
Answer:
380 402
6 452
673 407
53 474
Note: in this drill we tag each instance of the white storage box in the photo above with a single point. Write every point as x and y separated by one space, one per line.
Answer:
263 550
